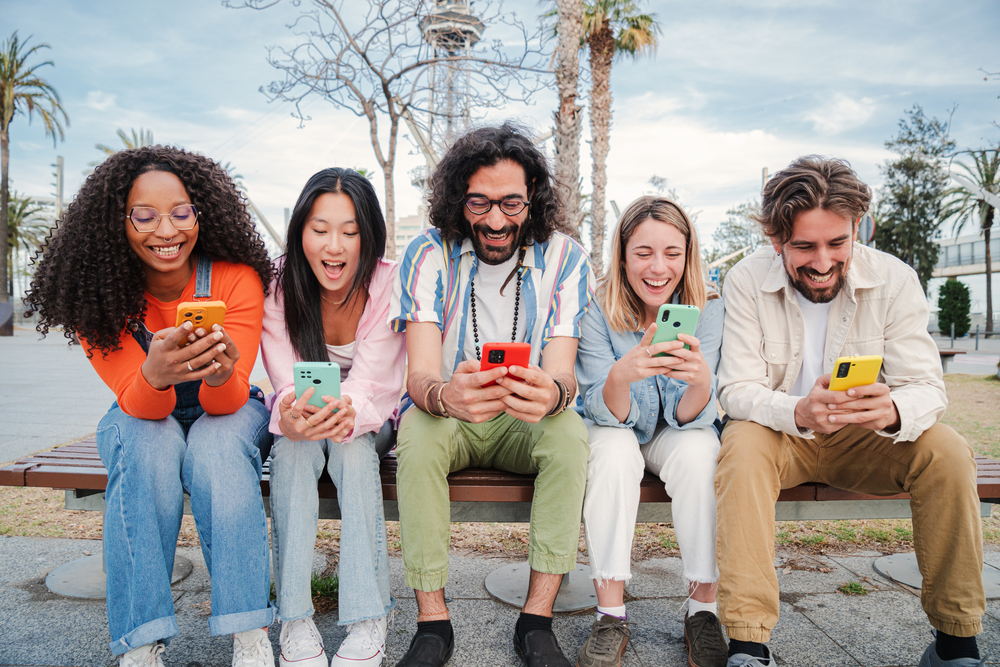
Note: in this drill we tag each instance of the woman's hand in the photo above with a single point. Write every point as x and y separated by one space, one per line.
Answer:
168 364
687 365
299 420
641 361
225 361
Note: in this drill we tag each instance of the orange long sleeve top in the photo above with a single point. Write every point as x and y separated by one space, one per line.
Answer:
236 284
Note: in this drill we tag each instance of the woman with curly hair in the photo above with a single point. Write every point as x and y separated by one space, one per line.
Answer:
330 302
151 228
651 407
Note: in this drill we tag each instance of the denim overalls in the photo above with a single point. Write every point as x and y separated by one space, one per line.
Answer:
151 464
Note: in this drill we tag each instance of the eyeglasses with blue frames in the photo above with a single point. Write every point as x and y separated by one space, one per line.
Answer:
146 219
482 205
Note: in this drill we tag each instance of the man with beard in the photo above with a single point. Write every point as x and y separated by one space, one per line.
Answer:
492 268
791 310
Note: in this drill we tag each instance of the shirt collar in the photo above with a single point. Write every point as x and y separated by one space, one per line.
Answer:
861 274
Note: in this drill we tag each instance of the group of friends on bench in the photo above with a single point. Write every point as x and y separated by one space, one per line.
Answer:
156 226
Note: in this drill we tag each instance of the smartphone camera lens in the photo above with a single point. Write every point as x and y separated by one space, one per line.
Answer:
199 318
317 381
496 356
666 316
188 314
843 369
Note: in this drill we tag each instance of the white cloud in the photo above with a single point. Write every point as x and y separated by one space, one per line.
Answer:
841 112
100 101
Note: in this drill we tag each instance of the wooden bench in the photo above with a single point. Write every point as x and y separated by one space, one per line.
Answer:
483 494
948 356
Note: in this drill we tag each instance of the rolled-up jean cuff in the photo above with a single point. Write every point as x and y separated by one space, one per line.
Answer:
550 563
241 622
428 583
969 628
162 629
748 633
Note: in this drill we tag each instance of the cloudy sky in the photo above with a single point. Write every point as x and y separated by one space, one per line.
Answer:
734 87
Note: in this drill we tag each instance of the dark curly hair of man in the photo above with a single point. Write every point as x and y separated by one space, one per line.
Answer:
485 147
88 279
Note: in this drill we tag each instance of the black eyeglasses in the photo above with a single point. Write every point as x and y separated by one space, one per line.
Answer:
482 205
146 219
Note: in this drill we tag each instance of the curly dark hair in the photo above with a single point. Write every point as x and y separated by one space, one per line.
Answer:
485 147
89 281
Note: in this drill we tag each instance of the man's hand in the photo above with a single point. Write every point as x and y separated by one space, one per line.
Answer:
533 393
826 411
465 398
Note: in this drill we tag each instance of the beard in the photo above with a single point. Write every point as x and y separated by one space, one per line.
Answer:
807 289
495 255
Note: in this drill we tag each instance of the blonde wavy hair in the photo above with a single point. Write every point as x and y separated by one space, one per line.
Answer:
622 307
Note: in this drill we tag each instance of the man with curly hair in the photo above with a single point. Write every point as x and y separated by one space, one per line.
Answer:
792 309
492 268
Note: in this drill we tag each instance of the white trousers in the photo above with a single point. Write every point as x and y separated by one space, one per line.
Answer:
685 460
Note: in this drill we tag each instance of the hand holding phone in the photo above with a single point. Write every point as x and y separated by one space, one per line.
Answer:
201 314
322 376
673 319
856 371
496 355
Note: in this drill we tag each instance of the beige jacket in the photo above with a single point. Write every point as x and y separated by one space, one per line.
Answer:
881 310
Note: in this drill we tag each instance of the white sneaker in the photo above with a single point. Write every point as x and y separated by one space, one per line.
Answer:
252 649
364 645
301 644
144 656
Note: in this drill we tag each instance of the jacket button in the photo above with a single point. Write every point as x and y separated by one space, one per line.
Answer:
772 355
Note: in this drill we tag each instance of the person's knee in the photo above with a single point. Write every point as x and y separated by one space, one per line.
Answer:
291 460
614 452
237 435
150 447
569 434
748 451
697 454
942 451
423 441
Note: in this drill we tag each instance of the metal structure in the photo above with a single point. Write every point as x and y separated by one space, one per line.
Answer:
452 31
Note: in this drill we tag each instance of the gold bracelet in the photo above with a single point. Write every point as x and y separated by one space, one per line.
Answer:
427 395
444 410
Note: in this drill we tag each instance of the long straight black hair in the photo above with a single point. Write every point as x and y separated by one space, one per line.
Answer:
298 284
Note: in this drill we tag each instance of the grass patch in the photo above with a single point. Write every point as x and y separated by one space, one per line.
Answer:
668 542
852 588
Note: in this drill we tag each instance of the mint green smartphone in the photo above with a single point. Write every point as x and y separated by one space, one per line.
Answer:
673 319
323 376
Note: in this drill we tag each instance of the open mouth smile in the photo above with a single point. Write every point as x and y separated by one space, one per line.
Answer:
818 278
166 252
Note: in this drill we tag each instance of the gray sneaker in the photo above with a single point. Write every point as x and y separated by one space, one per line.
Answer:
744 660
930 658
606 643
704 641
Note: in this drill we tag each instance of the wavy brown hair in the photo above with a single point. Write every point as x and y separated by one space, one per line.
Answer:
89 281
485 147
809 183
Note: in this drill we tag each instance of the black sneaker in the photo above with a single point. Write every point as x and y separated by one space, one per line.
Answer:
427 650
704 641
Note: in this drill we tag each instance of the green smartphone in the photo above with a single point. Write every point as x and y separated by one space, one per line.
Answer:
673 319
323 376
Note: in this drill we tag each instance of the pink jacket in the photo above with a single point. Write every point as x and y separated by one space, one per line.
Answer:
375 380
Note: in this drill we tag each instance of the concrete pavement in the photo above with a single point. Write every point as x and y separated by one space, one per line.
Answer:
818 627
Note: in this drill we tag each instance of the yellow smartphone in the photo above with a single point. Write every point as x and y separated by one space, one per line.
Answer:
202 314
855 371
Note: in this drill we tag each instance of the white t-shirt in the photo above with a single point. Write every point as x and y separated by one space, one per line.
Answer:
495 313
814 321
343 355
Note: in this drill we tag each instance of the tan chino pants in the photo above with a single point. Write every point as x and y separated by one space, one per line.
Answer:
938 470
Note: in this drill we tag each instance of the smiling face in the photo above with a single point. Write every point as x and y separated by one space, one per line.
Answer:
818 254
166 251
331 242
496 236
654 263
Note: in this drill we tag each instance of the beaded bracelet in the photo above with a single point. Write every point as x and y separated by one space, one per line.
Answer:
561 403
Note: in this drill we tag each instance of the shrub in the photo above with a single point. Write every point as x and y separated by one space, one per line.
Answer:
953 307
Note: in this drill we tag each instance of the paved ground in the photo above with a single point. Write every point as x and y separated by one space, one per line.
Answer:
819 627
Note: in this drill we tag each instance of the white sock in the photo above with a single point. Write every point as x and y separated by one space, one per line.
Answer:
694 607
617 612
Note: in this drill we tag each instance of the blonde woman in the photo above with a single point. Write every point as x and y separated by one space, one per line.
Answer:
649 412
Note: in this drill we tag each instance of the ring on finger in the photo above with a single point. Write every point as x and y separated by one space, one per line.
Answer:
309 423
648 352
189 367
294 416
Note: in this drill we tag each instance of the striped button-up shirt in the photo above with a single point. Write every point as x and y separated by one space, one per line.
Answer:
433 286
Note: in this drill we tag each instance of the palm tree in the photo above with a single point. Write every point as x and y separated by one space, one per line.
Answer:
966 203
569 31
610 27
21 91
135 140
26 230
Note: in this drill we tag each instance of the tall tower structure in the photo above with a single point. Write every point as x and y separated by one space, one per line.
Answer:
452 30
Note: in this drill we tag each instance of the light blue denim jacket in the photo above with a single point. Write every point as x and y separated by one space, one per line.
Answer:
600 347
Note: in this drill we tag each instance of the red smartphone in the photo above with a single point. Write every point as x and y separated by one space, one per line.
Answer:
505 354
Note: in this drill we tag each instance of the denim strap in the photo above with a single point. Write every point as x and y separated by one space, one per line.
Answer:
203 278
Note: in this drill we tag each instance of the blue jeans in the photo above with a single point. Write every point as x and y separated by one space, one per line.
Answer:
364 553
217 461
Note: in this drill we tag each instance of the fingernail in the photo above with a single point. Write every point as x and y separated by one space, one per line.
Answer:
187 326
221 347
218 365
218 336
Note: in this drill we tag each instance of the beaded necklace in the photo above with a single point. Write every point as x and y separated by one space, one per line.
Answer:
517 303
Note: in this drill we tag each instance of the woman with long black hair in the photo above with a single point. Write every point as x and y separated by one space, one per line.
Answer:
330 302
